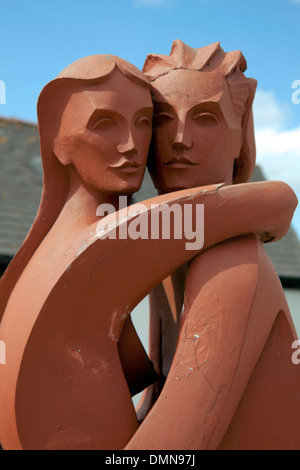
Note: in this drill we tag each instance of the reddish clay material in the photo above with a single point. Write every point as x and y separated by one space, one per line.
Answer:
65 387
236 322
73 356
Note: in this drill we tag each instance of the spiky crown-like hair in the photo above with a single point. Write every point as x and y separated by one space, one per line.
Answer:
210 58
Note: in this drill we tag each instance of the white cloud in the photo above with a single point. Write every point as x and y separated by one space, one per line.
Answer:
278 149
268 112
276 142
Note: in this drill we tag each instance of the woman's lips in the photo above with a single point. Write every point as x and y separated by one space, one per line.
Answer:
127 167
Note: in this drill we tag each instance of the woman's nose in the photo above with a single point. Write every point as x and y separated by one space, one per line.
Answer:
182 140
128 145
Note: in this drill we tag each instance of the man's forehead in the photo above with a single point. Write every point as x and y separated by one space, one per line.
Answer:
189 86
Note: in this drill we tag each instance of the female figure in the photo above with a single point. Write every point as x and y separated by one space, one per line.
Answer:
219 360
94 145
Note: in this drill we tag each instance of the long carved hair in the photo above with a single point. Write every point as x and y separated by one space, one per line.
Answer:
51 104
231 66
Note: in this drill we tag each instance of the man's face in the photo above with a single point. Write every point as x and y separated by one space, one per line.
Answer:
105 134
196 133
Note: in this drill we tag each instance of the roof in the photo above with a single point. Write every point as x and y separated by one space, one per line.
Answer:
285 254
20 182
21 188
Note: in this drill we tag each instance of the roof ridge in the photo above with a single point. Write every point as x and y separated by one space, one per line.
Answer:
18 121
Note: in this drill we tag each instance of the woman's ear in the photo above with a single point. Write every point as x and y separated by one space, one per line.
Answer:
245 163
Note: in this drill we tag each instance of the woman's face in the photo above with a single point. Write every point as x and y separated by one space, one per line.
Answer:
105 134
196 133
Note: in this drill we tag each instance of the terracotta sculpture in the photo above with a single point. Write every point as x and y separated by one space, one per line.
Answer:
227 359
73 356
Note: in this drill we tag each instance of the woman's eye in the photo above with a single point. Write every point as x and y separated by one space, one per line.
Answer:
143 121
162 118
206 119
105 123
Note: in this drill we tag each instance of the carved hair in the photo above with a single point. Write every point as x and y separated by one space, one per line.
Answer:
231 66
51 104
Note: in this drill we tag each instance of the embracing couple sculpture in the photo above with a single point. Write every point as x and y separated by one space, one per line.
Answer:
219 373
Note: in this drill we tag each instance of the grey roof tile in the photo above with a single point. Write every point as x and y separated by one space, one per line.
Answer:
20 182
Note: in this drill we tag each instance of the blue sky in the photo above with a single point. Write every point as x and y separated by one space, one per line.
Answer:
39 38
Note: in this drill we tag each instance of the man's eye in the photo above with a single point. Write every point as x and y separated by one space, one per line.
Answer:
143 121
105 123
206 119
162 118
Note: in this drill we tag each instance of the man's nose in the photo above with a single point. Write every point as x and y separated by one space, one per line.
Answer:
127 146
182 140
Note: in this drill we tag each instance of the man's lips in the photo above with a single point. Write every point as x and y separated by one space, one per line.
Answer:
180 163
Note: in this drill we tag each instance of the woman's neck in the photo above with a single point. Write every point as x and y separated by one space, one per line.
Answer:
80 208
